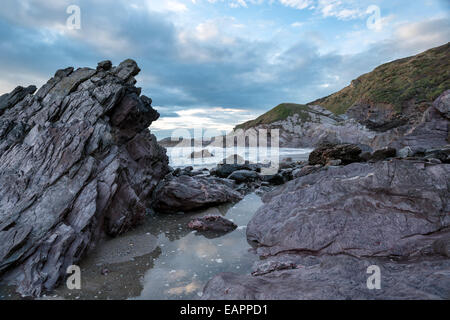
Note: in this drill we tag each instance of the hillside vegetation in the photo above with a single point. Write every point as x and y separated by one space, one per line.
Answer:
422 77
280 112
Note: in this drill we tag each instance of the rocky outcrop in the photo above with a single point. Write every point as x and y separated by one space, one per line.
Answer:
187 193
212 223
346 153
76 161
347 218
430 128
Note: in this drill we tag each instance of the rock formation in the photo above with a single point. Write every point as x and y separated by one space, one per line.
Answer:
212 223
77 160
186 193
345 219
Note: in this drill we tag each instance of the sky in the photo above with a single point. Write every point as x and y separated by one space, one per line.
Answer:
213 64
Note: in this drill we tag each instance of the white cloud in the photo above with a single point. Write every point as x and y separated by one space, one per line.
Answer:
217 118
297 24
297 4
419 36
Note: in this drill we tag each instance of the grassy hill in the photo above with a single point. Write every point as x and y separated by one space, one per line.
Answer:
421 78
280 112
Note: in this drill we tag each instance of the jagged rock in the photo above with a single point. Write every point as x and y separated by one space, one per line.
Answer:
212 223
186 193
377 126
18 94
431 131
347 153
77 160
442 104
241 176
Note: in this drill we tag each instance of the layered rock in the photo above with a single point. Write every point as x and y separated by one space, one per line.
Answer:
76 161
333 278
345 219
431 129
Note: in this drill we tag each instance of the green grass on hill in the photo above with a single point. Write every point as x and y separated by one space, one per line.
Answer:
422 77
280 112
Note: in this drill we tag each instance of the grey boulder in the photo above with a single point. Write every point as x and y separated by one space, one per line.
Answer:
187 193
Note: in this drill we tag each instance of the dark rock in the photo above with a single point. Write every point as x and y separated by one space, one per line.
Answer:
382 154
224 170
241 176
276 179
104 65
8 100
365 156
442 154
77 160
212 223
186 193
347 153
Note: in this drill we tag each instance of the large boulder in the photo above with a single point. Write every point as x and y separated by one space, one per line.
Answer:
363 209
347 153
77 160
320 233
187 193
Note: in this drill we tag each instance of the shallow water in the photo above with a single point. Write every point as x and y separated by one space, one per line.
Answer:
163 259
180 157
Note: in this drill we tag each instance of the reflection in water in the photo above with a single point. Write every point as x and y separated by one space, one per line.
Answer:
163 259
186 264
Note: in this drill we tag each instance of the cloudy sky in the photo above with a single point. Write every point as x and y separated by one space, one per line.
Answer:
217 63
